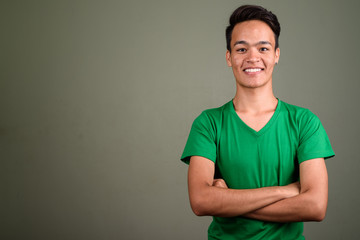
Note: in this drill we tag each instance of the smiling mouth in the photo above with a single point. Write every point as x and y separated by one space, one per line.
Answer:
251 70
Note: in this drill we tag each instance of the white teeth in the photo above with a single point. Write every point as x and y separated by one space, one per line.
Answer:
253 70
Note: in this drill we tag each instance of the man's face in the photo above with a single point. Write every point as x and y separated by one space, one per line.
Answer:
253 55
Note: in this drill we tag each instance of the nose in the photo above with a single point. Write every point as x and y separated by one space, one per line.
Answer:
253 56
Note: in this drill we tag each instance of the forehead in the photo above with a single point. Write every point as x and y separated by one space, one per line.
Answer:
252 31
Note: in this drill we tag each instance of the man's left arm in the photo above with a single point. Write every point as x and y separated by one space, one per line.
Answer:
309 205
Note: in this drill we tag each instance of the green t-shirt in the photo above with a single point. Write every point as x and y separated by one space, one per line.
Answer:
248 159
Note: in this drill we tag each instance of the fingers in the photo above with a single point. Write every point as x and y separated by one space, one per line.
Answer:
219 183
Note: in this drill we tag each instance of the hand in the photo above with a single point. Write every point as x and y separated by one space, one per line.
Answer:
219 183
292 189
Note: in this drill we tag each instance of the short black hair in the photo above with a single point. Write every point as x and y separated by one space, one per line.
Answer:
252 12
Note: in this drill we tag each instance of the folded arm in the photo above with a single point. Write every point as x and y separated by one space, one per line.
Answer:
207 198
309 205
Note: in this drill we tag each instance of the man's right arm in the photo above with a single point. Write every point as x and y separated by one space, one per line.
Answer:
209 200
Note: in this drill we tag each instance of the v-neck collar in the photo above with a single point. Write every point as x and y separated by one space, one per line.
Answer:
264 128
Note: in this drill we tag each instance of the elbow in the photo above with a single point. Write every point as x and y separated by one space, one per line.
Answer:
320 215
199 206
313 207
320 218
198 211
318 212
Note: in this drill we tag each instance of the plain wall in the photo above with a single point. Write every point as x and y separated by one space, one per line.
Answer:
97 99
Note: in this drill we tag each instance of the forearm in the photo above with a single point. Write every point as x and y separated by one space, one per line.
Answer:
303 207
309 205
224 202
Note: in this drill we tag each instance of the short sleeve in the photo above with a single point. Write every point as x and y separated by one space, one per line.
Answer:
314 142
201 140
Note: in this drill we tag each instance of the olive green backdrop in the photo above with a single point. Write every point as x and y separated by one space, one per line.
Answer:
97 99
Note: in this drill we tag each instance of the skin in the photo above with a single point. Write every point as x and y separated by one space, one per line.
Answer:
252 47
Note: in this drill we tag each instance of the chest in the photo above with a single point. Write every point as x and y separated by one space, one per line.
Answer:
247 159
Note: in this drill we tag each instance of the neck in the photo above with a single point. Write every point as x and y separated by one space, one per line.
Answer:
254 100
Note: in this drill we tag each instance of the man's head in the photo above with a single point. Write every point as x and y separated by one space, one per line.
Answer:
252 12
252 46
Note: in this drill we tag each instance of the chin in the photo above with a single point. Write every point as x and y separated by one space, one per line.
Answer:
252 84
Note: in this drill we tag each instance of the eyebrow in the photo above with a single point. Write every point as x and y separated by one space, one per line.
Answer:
246 43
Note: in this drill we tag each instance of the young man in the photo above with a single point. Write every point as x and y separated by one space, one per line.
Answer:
267 155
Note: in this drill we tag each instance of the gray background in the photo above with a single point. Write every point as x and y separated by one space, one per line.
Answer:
97 99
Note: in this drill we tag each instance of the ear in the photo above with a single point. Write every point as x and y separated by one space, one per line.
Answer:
277 55
228 58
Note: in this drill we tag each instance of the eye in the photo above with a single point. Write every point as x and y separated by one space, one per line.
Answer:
263 49
241 50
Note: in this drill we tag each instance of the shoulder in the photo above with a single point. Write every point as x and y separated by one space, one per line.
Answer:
211 119
305 122
213 114
298 114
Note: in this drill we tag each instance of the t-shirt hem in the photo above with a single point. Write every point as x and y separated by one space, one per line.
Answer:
186 159
326 155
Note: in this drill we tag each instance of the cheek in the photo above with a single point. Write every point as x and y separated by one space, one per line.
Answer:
236 62
270 61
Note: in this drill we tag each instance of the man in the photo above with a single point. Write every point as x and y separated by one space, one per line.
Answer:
267 155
